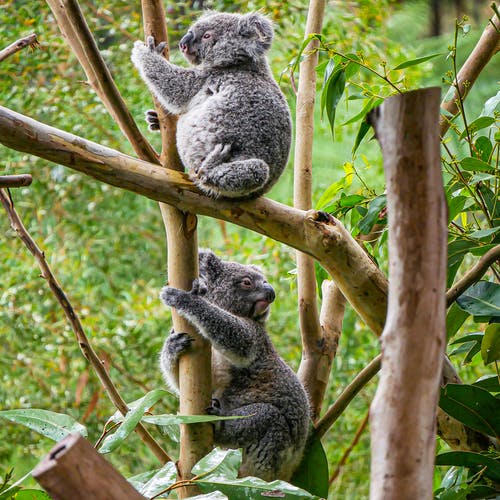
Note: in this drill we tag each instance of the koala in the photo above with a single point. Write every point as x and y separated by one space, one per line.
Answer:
234 127
229 305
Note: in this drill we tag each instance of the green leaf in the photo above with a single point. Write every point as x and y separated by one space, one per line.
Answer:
491 104
470 459
305 43
371 103
362 131
484 148
484 233
330 193
55 426
478 124
31 495
473 406
331 94
489 383
414 62
162 479
218 472
490 347
455 206
470 344
131 419
476 165
455 318
372 217
312 472
351 200
215 495
481 299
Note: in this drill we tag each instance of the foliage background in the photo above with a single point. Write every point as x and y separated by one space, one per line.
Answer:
107 246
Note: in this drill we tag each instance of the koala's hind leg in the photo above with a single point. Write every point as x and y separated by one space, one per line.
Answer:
237 178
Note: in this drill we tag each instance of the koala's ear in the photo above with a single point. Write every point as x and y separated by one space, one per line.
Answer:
256 25
210 264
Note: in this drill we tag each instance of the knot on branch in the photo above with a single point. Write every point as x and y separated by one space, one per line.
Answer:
325 225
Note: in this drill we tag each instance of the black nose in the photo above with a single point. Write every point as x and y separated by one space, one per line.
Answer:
269 291
185 40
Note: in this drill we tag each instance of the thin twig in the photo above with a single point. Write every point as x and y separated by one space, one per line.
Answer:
473 274
14 181
348 450
348 394
76 325
18 45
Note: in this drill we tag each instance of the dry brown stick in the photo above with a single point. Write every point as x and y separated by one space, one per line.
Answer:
361 428
182 253
74 470
347 395
76 325
310 327
77 33
14 181
403 412
487 46
472 275
18 45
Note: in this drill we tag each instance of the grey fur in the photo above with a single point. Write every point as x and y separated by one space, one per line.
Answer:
229 305
234 130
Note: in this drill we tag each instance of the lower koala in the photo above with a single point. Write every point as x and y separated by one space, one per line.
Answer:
229 304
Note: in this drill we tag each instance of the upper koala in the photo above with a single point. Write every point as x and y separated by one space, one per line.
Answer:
234 129
229 305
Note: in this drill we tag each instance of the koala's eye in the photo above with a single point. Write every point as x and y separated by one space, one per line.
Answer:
246 283
207 35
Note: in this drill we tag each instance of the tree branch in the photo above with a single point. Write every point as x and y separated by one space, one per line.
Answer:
18 45
310 328
14 181
75 30
347 395
472 275
76 325
487 46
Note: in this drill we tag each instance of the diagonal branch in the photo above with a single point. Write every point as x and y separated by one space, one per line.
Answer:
315 233
18 45
76 325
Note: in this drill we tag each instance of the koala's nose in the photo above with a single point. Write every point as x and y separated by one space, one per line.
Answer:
185 40
269 291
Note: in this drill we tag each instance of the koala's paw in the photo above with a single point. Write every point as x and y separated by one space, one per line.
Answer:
214 408
171 296
152 120
219 154
177 343
199 287
157 49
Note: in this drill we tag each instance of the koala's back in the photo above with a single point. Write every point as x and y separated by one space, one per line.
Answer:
245 109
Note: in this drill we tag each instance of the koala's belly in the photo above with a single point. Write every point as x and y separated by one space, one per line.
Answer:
254 128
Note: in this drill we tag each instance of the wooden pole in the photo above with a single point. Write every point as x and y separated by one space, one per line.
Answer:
74 470
403 413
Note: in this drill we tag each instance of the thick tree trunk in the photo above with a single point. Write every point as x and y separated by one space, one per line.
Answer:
74 470
195 385
310 328
403 413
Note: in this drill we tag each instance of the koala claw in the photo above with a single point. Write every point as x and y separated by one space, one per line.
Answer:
158 49
178 342
152 119
214 408
170 296
199 287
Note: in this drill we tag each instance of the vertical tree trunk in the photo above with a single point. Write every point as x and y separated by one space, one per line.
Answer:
312 355
403 413
182 252
435 17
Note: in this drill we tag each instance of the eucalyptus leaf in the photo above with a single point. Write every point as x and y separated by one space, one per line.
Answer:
473 406
215 495
490 346
331 94
478 124
372 217
491 104
414 62
131 419
29 494
481 300
476 165
162 479
55 426
489 383
484 148
470 459
362 131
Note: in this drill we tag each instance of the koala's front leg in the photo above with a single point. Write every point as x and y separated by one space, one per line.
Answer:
172 85
176 344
